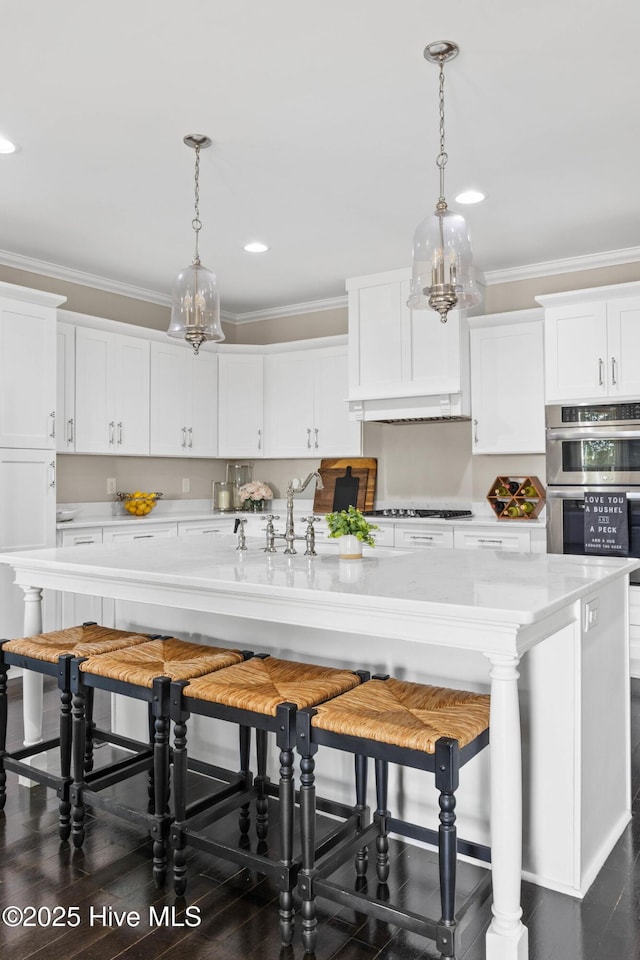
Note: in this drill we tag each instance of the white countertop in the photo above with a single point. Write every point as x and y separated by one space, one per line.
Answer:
466 585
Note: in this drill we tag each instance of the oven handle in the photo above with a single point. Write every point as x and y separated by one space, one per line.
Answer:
591 432
575 493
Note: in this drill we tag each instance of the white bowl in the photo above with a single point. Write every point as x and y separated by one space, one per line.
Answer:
63 515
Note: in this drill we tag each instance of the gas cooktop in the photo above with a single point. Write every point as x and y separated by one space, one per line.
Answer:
411 512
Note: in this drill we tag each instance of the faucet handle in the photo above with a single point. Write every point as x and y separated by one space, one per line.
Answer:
239 527
271 517
311 519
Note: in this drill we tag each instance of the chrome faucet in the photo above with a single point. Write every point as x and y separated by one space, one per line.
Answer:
289 536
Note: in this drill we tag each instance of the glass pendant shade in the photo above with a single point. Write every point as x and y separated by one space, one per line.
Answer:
443 277
195 308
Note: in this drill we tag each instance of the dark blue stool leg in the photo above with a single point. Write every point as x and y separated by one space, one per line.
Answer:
78 748
159 827
262 801
382 840
245 748
64 683
447 779
361 773
286 795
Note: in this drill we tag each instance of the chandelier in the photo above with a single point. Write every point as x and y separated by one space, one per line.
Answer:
442 263
195 302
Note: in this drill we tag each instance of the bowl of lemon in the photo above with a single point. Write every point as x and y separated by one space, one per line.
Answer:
139 504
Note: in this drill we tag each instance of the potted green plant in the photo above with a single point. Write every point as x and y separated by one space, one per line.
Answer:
352 530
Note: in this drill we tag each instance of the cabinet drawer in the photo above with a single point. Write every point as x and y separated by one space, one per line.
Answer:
516 540
213 528
115 535
77 538
422 536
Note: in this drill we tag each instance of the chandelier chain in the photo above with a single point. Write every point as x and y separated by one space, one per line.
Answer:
442 158
196 223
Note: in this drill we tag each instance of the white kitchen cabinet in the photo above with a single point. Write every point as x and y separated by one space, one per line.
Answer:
184 402
216 527
112 392
421 536
27 368
240 404
65 386
306 409
74 608
504 537
397 354
139 531
507 383
592 340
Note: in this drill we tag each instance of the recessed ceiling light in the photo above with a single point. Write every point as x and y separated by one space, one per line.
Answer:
470 196
6 146
255 247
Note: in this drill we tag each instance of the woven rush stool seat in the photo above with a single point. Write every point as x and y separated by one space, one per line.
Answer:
50 654
144 673
264 694
415 725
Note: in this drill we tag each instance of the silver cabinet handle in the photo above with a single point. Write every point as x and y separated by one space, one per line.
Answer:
120 432
183 431
112 427
316 444
308 438
613 371
486 540
142 536
259 439
421 536
70 430
475 431
77 542
52 482
190 432
600 371
211 530
52 417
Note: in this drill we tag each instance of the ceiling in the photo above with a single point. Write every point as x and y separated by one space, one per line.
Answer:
324 122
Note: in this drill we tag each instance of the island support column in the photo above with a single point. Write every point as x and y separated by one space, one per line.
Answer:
31 681
507 937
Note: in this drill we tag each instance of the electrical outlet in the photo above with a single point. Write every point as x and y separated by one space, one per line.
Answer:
591 614
111 484
186 485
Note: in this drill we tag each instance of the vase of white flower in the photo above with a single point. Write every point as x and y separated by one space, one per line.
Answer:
254 494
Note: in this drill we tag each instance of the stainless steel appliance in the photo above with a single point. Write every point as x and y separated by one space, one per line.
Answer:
591 448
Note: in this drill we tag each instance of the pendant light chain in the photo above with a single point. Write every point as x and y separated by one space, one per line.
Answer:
196 223
442 158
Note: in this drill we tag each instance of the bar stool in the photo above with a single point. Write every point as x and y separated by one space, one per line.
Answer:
50 654
143 673
414 725
264 694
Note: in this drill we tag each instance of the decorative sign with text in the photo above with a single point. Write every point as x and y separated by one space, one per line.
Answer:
606 524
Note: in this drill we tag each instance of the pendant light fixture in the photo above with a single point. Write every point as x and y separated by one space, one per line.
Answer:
195 305
442 263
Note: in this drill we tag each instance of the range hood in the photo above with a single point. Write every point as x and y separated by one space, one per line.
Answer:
421 409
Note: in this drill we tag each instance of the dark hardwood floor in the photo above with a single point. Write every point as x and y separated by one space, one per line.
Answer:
111 876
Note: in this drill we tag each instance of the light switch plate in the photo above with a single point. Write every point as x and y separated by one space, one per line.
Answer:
111 485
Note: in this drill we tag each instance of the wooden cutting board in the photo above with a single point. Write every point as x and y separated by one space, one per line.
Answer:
363 469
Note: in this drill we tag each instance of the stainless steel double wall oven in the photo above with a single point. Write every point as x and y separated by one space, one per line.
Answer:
591 448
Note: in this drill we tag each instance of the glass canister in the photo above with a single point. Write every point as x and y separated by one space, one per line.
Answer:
237 474
223 495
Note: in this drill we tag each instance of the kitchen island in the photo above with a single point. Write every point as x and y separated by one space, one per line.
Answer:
460 617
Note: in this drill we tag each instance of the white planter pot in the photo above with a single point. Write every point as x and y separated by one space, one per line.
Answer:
350 548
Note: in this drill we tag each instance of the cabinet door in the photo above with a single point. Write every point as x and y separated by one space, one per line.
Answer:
130 393
27 499
507 388
168 389
335 435
240 405
575 346
507 537
28 375
375 339
433 353
95 419
289 405
423 536
623 328
65 387
202 404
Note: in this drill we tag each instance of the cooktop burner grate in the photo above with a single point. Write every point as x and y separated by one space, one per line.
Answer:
413 512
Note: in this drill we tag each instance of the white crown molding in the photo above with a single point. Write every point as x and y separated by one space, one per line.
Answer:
591 261
70 275
292 310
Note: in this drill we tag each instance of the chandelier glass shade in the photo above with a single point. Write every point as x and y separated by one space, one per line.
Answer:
195 300
443 274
